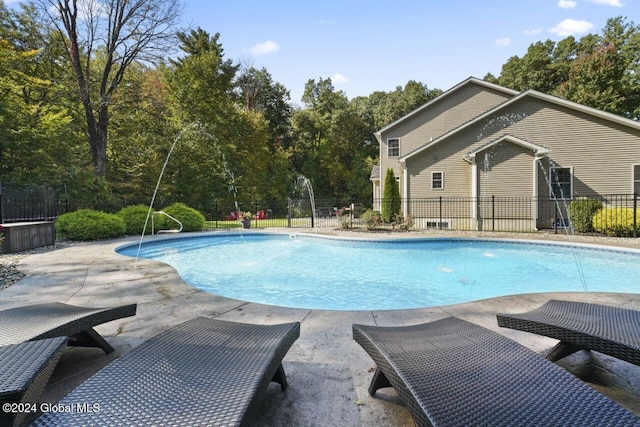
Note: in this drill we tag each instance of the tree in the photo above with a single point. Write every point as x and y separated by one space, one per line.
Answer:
140 127
390 197
596 80
258 92
533 71
599 70
36 135
131 30
201 82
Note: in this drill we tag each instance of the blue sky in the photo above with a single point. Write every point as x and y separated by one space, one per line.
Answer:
367 46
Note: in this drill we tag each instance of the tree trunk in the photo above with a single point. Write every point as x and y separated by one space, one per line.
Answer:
99 143
132 30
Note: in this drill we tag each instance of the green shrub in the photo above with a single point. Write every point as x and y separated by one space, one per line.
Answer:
581 214
372 219
344 218
134 218
615 221
191 219
403 223
390 197
87 224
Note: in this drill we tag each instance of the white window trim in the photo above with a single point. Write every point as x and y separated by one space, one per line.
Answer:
634 179
388 148
570 181
441 179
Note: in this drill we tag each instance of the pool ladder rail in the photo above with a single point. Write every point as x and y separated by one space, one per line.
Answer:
170 230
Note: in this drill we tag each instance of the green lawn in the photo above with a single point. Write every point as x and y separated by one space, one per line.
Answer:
261 223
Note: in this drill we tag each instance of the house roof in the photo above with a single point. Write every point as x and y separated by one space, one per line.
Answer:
375 172
534 94
537 149
470 80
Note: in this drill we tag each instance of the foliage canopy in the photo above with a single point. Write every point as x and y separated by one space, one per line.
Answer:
236 131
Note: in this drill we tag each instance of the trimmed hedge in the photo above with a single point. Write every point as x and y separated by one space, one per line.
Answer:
134 218
615 221
191 219
87 224
581 214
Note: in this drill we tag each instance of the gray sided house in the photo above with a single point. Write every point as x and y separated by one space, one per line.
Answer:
507 155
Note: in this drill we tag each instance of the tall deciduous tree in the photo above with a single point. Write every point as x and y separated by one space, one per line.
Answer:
36 143
121 32
599 70
258 92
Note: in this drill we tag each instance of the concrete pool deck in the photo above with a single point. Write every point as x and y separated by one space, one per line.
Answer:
328 372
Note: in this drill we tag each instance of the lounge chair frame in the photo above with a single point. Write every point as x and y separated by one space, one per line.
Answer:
578 325
35 322
455 373
202 372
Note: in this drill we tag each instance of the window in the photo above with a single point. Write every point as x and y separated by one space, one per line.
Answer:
393 147
560 183
636 179
437 180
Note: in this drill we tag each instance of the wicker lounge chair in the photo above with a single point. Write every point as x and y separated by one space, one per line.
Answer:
34 322
455 373
610 330
202 372
25 369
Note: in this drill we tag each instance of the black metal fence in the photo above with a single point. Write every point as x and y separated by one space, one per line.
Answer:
619 216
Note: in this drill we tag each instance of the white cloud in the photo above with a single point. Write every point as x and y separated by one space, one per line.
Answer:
567 4
570 27
339 78
532 32
614 3
505 41
265 48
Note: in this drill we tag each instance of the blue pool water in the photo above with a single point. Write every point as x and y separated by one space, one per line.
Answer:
312 272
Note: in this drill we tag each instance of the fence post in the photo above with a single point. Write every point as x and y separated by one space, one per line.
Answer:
493 212
215 213
1 208
635 213
440 212
289 212
67 203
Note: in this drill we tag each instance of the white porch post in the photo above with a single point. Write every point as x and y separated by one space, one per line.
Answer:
536 161
405 188
474 188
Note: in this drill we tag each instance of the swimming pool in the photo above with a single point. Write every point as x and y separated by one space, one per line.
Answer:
313 272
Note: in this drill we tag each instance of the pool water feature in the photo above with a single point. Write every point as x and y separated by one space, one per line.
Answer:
312 272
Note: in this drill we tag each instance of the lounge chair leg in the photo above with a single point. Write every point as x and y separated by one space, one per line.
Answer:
90 338
379 381
280 378
561 350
